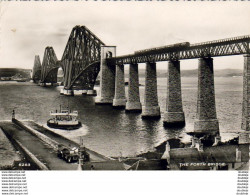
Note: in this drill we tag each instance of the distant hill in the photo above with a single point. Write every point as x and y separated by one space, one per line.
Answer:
194 73
228 73
9 72
217 73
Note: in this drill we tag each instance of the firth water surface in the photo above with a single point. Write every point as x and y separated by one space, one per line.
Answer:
113 132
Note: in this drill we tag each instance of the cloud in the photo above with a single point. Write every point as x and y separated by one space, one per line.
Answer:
128 25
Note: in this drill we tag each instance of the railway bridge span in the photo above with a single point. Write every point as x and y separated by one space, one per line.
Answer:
86 56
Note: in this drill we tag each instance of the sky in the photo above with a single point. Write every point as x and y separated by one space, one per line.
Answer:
26 28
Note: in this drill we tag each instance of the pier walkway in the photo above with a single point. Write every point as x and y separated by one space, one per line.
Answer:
42 151
94 156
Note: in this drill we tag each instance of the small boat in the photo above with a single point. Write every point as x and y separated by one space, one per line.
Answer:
65 119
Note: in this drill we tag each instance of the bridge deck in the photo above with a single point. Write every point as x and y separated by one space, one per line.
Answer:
222 47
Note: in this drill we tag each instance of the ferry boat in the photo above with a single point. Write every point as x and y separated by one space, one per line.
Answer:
65 119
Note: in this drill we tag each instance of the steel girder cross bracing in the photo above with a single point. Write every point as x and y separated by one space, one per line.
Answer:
81 59
222 47
50 66
37 68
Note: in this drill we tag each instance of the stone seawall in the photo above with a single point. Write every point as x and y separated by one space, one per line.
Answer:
73 142
41 136
54 144
8 154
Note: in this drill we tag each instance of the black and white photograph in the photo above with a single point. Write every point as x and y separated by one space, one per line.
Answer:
119 86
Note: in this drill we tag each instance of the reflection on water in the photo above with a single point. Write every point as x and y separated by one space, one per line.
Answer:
113 132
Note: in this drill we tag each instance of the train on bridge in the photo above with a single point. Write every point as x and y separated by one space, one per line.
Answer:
166 48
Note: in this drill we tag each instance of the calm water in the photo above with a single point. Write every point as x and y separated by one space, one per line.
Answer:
113 132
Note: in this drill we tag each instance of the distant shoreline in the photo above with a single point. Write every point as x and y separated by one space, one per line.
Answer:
25 73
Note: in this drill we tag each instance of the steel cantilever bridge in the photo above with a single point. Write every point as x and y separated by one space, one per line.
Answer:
37 68
81 58
49 66
86 55
80 61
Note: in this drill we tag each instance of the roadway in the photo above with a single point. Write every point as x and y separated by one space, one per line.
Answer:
42 151
94 156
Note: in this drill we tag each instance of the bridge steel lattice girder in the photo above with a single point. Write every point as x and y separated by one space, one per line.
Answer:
49 66
224 47
86 79
37 68
37 76
52 75
81 53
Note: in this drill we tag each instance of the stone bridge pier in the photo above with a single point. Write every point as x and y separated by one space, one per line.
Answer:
119 100
151 108
174 115
107 76
206 118
246 94
133 103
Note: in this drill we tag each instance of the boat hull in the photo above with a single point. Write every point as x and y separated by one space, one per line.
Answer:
64 127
